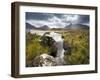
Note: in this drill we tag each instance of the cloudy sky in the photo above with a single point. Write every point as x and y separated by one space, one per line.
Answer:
53 20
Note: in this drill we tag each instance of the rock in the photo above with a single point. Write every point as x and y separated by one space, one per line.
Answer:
47 41
67 48
44 60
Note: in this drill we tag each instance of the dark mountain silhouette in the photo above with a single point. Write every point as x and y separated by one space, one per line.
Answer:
44 27
77 26
29 26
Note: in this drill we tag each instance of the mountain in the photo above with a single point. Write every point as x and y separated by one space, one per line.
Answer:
29 26
77 26
44 27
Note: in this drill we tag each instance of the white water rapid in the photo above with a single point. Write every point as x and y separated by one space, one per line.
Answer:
60 51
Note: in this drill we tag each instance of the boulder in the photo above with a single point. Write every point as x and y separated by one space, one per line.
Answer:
44 60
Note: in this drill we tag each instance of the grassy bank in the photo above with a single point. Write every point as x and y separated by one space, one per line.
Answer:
77 40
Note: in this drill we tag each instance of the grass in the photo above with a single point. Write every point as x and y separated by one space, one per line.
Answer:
78 41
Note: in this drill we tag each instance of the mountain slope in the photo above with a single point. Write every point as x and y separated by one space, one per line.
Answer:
44 27
29 26
77 26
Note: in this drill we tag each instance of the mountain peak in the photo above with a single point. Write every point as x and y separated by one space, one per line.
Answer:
44 27
29 26
77 26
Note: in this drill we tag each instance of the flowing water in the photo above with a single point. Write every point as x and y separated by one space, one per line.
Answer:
60 51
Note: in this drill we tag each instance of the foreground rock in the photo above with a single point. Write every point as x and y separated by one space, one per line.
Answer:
44 60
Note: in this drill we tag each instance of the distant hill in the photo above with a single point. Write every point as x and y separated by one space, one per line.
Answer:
29 26
44 27
57 29
77 26
72 27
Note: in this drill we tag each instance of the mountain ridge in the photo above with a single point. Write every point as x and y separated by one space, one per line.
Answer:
45 27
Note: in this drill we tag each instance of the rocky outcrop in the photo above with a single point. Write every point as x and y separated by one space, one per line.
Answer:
44 60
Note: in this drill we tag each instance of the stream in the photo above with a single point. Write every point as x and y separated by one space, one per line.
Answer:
60 51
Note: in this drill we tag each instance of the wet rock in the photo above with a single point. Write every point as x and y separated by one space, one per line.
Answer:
44 60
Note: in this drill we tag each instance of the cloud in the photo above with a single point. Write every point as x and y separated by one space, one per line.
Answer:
54 20
38 16
84 19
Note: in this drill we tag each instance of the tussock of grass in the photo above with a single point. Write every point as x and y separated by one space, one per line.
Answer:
78 41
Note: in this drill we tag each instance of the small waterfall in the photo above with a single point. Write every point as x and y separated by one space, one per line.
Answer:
60 51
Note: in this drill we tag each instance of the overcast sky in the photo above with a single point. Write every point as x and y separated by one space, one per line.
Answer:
53 20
